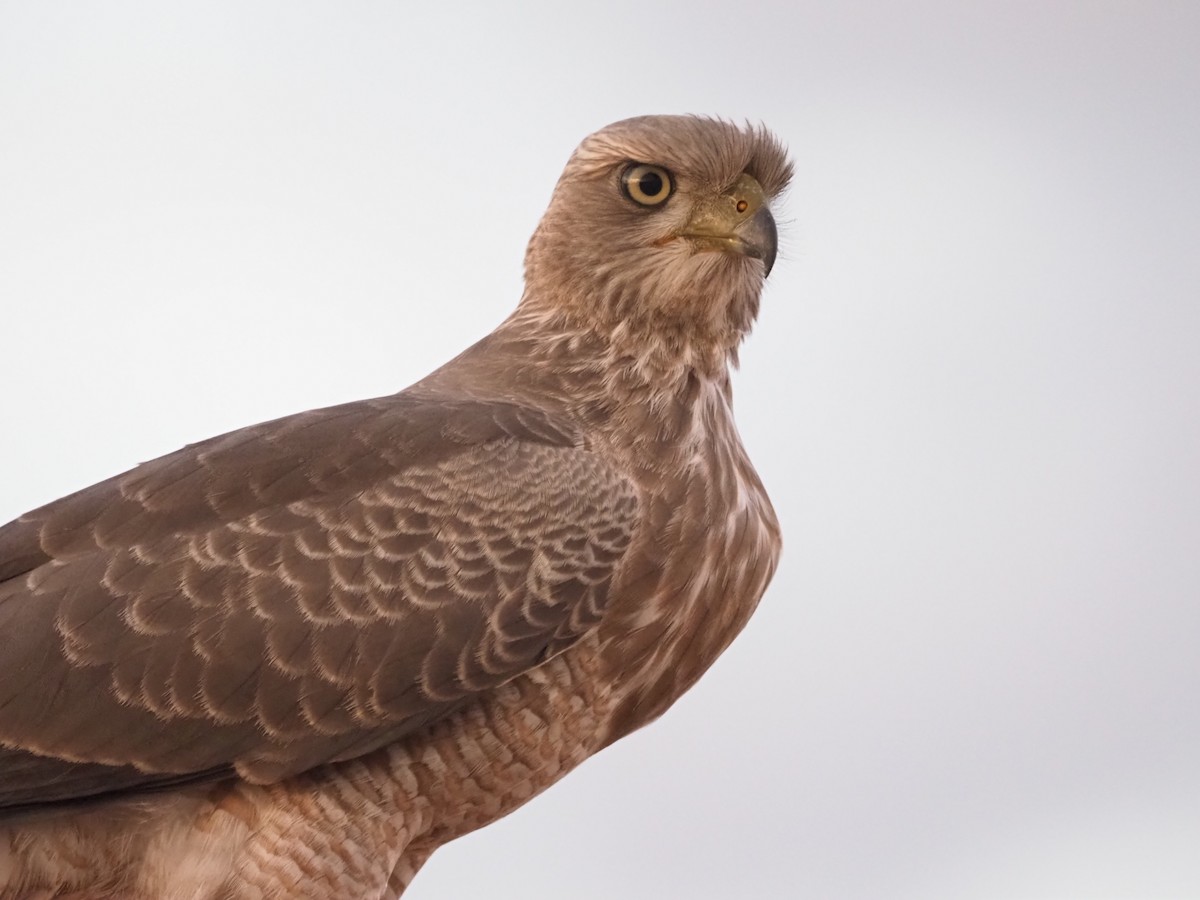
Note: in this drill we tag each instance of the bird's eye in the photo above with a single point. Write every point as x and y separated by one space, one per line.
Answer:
647 185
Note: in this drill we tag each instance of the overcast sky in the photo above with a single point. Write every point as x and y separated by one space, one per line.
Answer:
972 392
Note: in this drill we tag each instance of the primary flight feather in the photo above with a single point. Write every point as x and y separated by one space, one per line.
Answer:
293 660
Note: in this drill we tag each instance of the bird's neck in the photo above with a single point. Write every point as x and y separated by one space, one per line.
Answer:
591 374
655 350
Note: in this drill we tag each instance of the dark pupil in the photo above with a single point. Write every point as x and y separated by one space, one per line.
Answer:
651 184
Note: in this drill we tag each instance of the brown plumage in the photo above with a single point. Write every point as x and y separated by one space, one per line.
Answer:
293 660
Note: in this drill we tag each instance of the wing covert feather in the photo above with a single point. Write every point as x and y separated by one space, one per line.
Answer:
299 591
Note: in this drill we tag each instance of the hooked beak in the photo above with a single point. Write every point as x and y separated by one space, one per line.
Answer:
738 221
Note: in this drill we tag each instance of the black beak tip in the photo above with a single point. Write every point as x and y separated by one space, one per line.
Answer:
764 237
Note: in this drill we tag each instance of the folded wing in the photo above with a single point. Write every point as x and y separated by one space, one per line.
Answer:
297 592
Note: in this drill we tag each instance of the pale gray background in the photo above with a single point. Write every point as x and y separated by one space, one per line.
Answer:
972 391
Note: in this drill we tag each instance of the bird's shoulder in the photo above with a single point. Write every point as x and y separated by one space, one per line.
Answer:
312 454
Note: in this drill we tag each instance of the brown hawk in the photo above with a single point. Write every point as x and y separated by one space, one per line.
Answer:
294 660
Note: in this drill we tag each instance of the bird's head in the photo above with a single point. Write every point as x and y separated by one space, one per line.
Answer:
661 227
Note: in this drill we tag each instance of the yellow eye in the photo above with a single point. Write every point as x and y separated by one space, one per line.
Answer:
647 185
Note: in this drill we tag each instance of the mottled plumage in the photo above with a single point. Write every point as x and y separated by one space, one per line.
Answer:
293 660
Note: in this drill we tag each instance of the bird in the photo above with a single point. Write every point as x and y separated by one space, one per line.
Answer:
295 659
